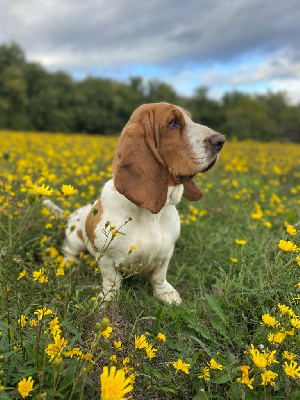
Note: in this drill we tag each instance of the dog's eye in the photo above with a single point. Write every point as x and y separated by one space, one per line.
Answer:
174 123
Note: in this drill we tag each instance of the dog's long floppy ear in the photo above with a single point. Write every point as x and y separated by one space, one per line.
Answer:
192 191
138 170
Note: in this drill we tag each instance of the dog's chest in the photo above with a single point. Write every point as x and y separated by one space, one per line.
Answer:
153 238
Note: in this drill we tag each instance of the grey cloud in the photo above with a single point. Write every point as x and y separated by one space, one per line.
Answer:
135 32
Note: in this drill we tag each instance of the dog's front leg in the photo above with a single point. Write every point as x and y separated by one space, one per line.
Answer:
162 289
111 279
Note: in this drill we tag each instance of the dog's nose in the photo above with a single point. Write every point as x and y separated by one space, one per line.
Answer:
217 141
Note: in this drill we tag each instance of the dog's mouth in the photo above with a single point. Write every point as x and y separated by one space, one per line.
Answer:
210 165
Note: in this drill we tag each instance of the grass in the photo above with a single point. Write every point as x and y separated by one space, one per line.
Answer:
228 289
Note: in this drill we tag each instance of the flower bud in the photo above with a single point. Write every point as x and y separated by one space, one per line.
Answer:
101 326
2 374
2 358
105 345
57 363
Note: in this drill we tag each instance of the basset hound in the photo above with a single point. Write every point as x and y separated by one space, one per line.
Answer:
159 152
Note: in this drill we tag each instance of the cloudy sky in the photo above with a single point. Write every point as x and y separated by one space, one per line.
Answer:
246 45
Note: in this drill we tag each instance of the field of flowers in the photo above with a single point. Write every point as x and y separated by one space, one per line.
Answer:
236 265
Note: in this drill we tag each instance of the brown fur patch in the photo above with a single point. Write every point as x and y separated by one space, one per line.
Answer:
79 234
152 154
92 221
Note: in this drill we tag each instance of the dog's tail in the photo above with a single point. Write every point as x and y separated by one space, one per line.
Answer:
55 210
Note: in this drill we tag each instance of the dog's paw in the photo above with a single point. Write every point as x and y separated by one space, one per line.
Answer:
168 296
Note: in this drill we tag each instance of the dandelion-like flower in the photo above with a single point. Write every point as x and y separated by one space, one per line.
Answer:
118 345
43 312
181 366
40 275
204 374
291 230
44 190
268 377
276 338
214 365
245 377
140 342
285 310
25 386
114 384
240 241
67 190
258 358
22 274
292 369
267 319
22 321
288 356
107 332
287 246
161 336
150 351
54 349
295 322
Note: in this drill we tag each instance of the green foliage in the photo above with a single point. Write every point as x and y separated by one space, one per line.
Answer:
33 99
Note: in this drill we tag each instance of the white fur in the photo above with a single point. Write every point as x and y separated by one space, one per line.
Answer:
196 134
153 235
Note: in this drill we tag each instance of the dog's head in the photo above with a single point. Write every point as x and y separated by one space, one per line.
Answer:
161 146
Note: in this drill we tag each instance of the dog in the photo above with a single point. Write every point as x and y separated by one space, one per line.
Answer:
158 154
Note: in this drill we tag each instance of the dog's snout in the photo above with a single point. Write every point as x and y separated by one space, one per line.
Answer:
217 141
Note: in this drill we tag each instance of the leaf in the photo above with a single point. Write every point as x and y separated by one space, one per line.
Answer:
218 326
215 306
221 379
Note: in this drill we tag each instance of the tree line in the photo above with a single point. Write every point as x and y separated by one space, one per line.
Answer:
33 99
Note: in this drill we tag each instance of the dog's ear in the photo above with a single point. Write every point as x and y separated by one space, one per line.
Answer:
192 191
138 170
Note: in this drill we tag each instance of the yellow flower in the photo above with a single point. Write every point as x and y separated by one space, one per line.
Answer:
53 252
40 275
67 190
25 386
276 337
54 349
180 365
204 374
113 358
268 377
71 352
60 271
214 365
291 230
259 360
140 342
107 332
114 233
114 384
285 310
240 241
234 260
22 274
245 377
44 190
54 326
22 321
292 369
295 322
33 323
288 356
118 345
298 260
287 246
269 320
43 312
150 350
161 336
132 248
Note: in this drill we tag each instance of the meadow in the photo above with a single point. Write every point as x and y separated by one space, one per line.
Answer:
236 265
